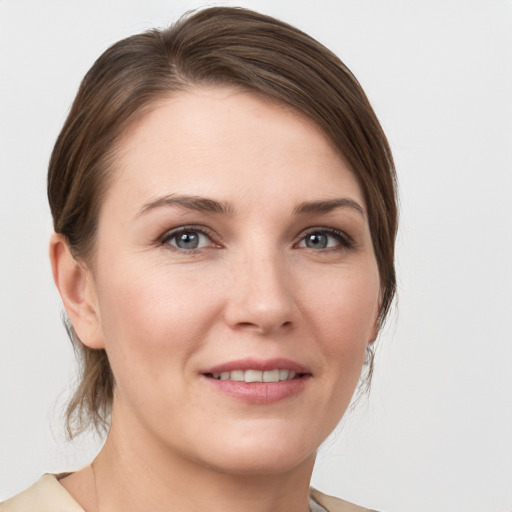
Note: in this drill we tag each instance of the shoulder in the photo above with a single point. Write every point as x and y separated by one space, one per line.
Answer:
46 495
332 504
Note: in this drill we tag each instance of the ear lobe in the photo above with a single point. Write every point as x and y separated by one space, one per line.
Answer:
77 290
375 331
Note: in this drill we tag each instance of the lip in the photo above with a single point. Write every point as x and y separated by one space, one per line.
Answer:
262 393
258 364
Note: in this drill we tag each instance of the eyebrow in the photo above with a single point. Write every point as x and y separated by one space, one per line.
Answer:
197 203
204 204
327 206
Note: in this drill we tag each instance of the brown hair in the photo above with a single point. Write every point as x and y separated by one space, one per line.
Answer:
215 46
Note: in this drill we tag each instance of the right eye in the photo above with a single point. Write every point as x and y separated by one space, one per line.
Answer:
187 239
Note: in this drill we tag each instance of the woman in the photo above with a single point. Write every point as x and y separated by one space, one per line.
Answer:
224 210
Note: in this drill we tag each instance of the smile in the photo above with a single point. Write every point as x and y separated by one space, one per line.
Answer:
275 375
258 381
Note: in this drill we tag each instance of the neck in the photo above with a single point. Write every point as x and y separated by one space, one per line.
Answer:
134 473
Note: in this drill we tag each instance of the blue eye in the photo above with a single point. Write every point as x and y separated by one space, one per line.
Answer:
323 239
187 239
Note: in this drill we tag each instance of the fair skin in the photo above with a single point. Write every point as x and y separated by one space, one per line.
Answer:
233 237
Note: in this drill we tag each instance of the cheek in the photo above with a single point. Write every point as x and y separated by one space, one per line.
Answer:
343 318
153 318
345 305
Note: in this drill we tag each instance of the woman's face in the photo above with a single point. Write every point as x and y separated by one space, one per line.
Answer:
234 283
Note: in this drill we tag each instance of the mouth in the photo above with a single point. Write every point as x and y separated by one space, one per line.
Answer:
256 381
251 375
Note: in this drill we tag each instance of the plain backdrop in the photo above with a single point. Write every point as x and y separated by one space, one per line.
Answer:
436 431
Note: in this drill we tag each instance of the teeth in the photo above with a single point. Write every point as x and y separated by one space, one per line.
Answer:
253 376
238 375
256 375
271 376
283 374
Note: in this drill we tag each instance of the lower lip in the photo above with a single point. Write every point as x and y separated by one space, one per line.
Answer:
260 392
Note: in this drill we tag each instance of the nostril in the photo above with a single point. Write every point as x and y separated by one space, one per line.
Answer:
247 325
263 328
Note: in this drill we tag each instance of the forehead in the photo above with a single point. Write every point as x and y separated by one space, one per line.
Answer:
219 140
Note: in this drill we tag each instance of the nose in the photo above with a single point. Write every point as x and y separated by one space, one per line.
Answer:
261 297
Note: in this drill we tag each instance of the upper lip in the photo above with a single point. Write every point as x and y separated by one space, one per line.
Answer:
258 364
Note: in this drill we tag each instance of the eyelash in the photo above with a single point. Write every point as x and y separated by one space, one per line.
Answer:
174 233
342 238
345 241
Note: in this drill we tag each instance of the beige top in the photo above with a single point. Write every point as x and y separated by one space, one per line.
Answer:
48 495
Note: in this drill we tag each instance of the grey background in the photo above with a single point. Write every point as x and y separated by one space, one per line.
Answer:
435 433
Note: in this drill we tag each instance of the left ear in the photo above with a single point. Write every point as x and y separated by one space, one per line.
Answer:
77 290
375 330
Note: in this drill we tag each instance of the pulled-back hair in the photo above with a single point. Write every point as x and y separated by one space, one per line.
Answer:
216 46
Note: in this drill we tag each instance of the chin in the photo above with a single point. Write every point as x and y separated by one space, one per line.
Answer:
262 456
252 464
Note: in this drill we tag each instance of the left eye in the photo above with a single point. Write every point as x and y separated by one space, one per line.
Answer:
323 240
188 239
